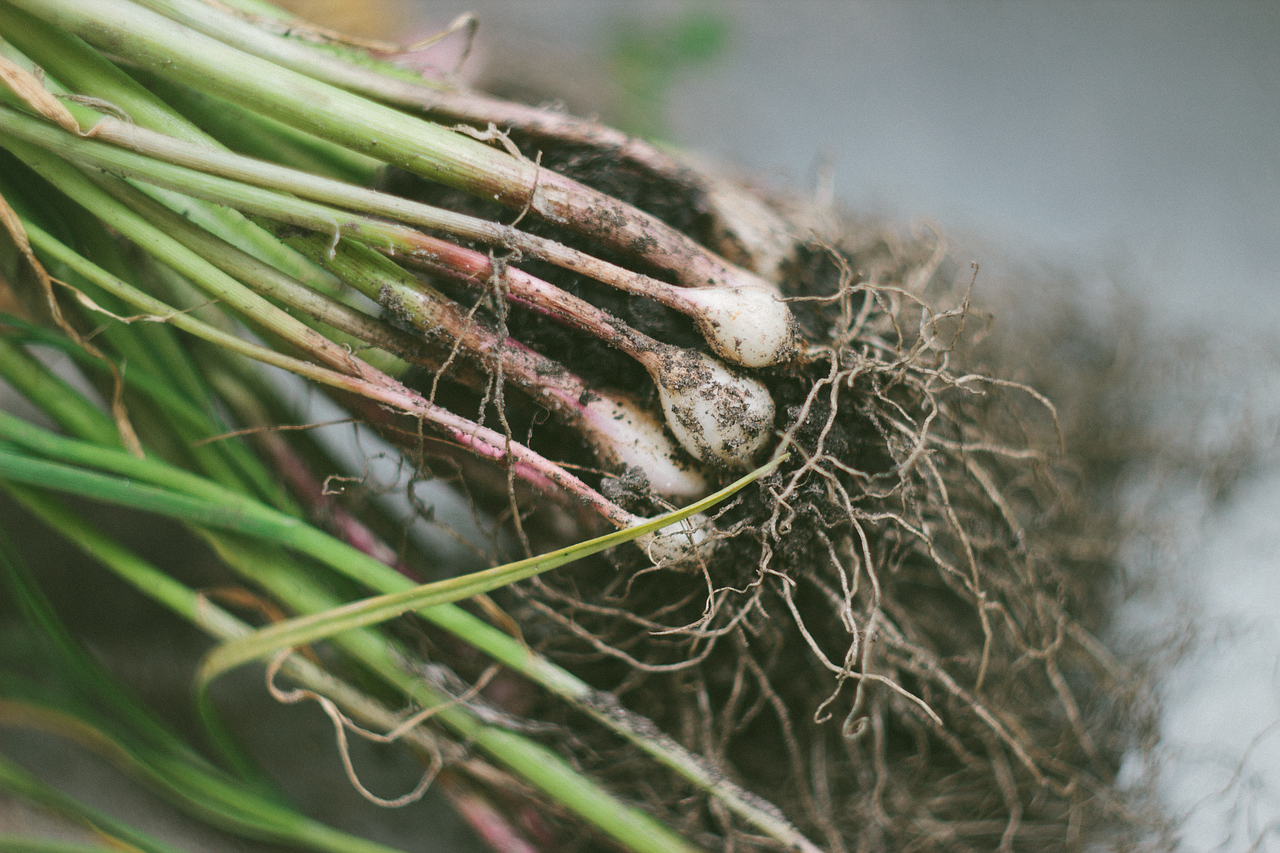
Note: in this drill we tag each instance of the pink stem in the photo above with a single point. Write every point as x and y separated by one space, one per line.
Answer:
475 270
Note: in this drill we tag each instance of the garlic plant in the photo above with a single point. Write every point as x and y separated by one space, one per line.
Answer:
879 638
360 291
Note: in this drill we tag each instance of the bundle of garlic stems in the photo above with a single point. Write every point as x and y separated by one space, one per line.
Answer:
744 322
328 274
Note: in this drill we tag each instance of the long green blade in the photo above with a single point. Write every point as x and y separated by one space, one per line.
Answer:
370 611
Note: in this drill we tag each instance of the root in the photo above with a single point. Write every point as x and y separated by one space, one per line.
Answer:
893 639
342 724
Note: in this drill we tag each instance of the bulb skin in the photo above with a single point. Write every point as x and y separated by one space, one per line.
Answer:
718 415
626 436
679 543
747 326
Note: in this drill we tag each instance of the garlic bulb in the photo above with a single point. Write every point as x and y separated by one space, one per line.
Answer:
679 542
627 436
749 326
718 415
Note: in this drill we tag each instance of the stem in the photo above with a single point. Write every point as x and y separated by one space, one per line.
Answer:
74 63
533 762
623 431
748 326
537 764
751 224
266 280
618 429
212 280
124 30
242 511
347 372
65 405
164 46
717 416
16 779
531 467
467 627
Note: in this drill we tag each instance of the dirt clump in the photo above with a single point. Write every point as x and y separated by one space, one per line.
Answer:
894 640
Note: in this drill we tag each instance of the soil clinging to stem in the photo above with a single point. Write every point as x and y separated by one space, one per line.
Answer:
893 639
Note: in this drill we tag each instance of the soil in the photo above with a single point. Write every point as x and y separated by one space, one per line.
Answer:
892 640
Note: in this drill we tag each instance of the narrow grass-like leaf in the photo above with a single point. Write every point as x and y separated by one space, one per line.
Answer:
537 764
308 629
422 147
455 620
243 515
65 405
279 555
30 844
255 309
17 780
196 787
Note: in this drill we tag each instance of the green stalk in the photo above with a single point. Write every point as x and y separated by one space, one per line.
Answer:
336 64
450 158
258 136
318 188
535 763
181 54
60 401
216 283
150 346
371 611
18 780
231 193
45 243
200 502
666 364
247 185
349 326
83 71
152 362
354 70
165 46
467 627
196 500
30 844
179 774
79 417
484 442
359 378
240 514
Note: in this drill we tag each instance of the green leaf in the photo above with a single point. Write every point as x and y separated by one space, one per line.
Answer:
370 611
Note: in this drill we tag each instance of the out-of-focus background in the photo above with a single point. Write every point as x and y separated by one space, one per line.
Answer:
1130 148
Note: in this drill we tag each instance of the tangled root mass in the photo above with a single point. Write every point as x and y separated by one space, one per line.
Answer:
894 639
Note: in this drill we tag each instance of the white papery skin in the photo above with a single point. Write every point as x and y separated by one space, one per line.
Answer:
749 326
719 416
678 542
636 438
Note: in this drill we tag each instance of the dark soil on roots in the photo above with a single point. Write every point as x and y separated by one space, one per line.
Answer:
894 640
